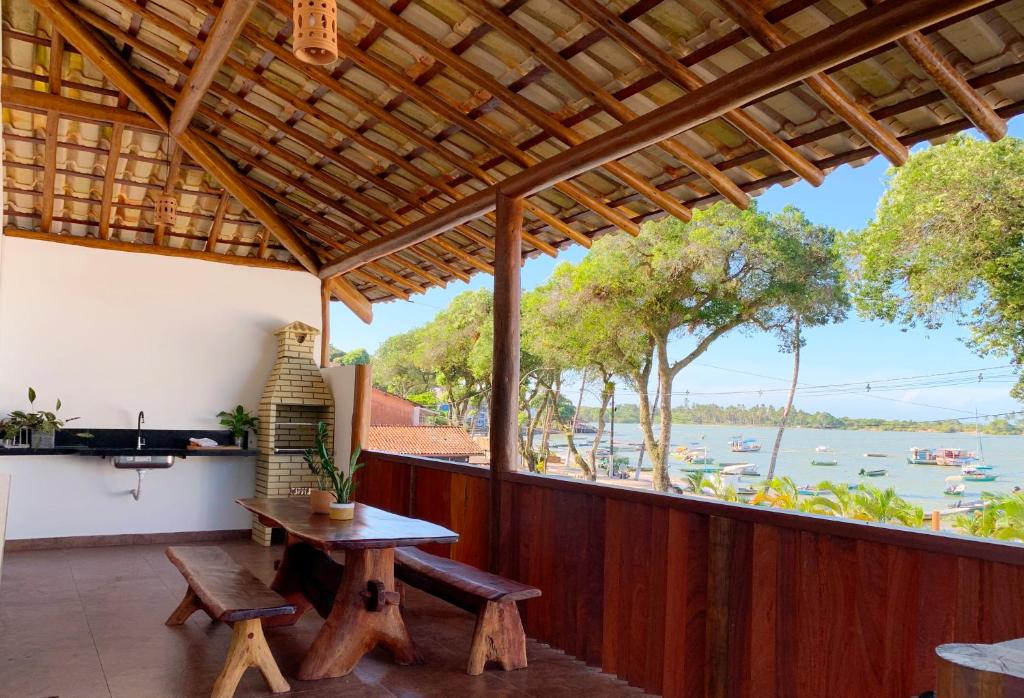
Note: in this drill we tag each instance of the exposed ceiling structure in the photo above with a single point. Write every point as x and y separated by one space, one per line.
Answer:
276 162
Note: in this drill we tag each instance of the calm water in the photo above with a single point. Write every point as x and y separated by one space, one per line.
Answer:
920 484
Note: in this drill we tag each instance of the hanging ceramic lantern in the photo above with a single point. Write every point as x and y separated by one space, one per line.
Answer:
166 210
315 38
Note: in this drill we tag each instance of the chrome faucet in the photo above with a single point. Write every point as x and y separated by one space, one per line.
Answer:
140 442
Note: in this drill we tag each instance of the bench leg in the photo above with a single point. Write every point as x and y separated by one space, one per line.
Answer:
499 637
189 605
248 648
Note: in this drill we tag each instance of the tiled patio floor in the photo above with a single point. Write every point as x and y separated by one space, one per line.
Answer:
88 623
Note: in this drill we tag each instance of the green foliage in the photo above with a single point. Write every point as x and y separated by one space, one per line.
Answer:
328 476
948 239
769 416
1002 517
41 420
395 365
355 357
866 503
238 421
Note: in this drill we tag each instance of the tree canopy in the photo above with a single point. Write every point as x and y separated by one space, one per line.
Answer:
947 241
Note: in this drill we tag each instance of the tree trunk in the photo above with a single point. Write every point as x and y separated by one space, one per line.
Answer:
789 400
659 457
643 446
606 396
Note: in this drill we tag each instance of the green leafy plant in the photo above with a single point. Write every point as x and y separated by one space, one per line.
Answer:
41 421
238 421
328 477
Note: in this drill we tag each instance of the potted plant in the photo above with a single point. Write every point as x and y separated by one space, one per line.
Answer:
239 421
42 425
344 488
320 463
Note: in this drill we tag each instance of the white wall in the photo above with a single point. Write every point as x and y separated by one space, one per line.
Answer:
112 333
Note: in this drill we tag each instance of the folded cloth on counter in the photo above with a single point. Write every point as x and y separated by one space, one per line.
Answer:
204 442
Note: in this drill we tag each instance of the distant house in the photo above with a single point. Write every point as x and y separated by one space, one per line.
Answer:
388 409
449 443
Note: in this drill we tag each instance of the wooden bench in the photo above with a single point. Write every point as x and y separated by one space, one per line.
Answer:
228 592
499 634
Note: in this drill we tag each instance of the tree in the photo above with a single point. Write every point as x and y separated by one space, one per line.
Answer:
948 238
695 282
395 365
349 358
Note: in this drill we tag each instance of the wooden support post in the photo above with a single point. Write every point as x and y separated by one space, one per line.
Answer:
361 405
504 412
325 325
936 520
52 122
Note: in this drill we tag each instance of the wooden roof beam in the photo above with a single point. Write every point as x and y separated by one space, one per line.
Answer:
549 57
842 41
443 108
952 84
52 123
748 15
77 108
117 70
226 28
218 222
519 103
649 52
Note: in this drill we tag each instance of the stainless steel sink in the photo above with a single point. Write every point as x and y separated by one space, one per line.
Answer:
140 462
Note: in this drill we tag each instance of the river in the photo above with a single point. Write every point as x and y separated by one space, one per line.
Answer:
920 484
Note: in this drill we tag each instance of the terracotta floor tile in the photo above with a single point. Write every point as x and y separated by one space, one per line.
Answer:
90 623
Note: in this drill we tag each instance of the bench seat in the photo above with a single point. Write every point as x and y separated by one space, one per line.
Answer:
228 592
499 634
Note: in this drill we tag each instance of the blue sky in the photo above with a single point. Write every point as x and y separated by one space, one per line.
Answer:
854 351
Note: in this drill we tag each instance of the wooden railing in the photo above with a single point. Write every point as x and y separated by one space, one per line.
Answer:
688 597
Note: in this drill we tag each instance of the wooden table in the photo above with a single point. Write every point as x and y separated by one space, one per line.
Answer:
358 600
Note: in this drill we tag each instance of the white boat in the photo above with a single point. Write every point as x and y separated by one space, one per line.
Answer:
739 469
954 486
823 449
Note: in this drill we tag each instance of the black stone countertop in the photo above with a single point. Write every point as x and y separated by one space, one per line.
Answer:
119 442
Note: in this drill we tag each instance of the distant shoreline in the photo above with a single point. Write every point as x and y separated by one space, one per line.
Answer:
968 429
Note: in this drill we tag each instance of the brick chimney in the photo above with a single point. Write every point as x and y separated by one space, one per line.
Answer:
294 400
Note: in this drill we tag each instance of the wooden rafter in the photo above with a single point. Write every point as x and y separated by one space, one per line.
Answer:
54 78
118 72
648 52
952 83
110 171
445 109
748 15
218 222
226 27
497 19
840 42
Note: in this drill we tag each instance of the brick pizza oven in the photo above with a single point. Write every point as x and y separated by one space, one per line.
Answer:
294 401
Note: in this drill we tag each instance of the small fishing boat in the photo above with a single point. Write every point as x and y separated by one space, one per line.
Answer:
881 472
698 456
745 493
701 469
975 476
872 454
809 490
953 457
739 469
955 490
960 507
738 445
827 456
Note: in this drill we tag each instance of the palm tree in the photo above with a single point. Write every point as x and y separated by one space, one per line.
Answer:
727 493
885 506
838 502
781 492
1002 518
789 400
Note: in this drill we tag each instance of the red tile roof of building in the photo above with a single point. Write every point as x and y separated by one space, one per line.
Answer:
422 441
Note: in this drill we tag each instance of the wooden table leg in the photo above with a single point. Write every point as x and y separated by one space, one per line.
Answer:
352 629
288 583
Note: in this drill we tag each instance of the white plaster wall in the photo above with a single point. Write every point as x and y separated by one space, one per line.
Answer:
112 333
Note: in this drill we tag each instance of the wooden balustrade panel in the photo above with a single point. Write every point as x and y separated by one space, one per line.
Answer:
685 598
384 483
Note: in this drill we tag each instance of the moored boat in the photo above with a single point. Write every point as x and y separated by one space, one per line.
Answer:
958 457
880 472
738 445
740 469
873 454
921 456
976 476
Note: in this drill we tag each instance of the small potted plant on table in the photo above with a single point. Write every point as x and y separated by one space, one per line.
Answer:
342 485
320 463
240 422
